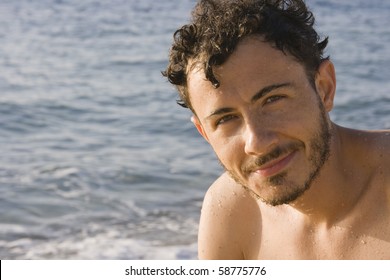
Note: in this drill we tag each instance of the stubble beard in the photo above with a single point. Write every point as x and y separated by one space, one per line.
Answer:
320 147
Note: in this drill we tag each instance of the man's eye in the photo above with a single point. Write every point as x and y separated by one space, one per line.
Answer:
225 119
273 98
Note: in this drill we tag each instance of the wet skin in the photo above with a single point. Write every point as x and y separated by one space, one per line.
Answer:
270 129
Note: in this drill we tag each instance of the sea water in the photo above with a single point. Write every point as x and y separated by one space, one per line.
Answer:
97 161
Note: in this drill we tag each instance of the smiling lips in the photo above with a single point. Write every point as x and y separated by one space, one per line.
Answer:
275 166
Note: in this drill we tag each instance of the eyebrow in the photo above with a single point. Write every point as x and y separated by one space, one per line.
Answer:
264 91
268 89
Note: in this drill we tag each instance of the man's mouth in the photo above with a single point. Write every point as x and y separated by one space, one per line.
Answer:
273 162
275 166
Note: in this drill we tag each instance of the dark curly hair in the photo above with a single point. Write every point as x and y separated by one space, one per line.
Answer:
217 26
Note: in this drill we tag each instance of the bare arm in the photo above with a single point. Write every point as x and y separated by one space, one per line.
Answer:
228 214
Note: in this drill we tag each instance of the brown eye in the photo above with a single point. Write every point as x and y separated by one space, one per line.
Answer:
274 98
225 119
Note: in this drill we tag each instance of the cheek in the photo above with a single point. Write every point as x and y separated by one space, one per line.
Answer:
300 118
229 151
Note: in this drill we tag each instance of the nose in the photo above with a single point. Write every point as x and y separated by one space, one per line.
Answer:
259 139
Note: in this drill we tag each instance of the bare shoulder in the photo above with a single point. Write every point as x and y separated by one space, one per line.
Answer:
376 205
228 213
377 149
380 147
378 140
380 144
371 152
372 147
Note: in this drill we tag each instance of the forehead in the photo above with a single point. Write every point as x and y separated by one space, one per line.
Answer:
253 65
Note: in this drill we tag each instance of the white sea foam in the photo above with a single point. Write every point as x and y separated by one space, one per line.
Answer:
97 161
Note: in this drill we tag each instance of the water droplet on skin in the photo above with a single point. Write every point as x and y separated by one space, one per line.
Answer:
364 242
338 227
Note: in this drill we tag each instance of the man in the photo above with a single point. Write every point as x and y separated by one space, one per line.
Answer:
296 186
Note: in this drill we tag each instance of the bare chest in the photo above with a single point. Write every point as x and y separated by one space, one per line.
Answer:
363 234
367 237
335 243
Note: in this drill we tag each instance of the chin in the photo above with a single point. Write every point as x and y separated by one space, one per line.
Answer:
277 190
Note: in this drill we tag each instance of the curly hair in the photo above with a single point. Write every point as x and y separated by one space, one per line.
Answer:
217 26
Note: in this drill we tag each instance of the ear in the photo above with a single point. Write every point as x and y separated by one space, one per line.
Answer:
195 120
326 84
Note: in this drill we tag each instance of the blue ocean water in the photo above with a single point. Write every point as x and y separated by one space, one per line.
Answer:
97 161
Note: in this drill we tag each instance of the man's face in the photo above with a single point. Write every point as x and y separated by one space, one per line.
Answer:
266 123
